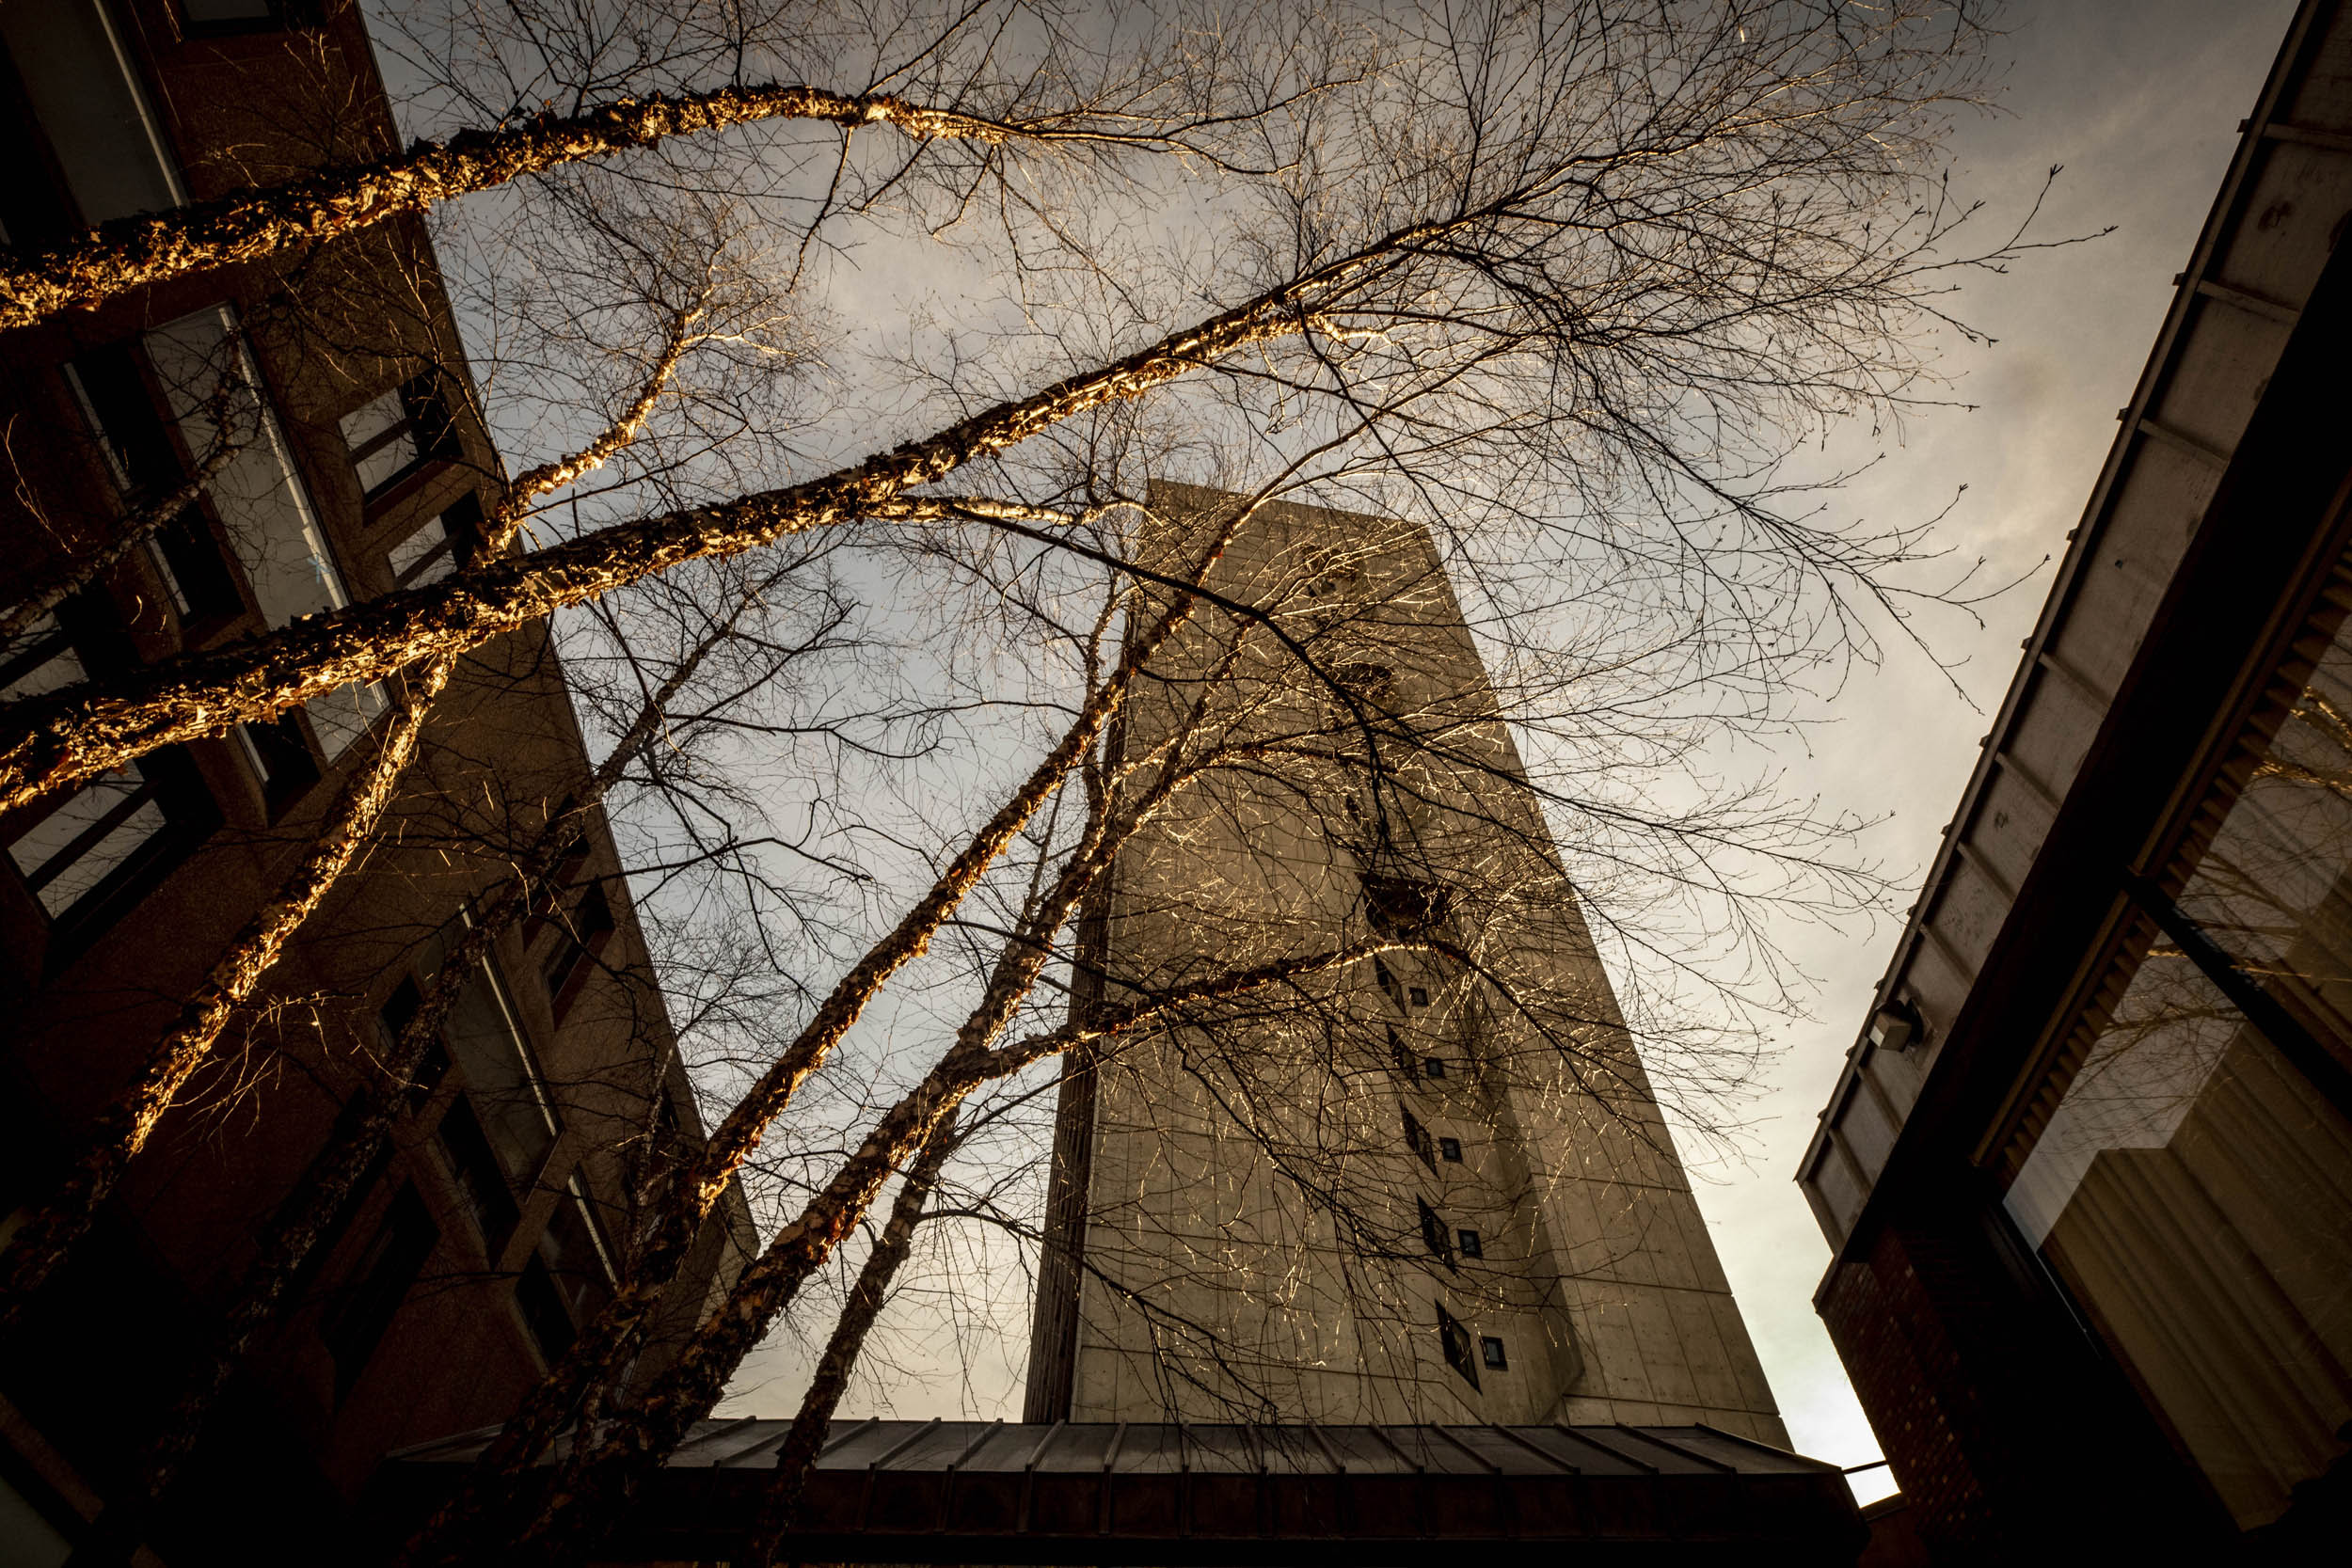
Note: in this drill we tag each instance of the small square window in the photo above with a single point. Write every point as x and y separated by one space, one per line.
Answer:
1419 995
1450 1148
1471 1247
1490 1351
1433 1067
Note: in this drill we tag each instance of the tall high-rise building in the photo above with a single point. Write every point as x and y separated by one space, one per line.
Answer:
1431 1183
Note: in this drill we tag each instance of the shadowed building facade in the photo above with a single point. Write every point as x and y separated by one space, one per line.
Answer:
2088 1172
1431 1184
492 1227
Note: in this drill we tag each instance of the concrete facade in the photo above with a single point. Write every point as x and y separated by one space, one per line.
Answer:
1433 1185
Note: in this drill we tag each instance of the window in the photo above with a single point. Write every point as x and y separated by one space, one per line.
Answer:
207 17
569 1276
1417 1139
134 446
1433 1066
437 545
2184 1165
1388 983
1404 905
590 931
280 759
108 143
394 432
1407 1065
1434 1234
263 507
425 556
391 1021
93 843
1450 1148
380 1283
502 1080
1490 1351
1454 1342
1471 1247
1419 995
481 1178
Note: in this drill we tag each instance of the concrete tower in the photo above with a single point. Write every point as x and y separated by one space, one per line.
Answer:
1432 1186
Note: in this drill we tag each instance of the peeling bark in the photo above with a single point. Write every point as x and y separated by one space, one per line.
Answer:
146 248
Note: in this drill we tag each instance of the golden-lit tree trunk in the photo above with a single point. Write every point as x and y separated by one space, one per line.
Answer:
124 1127
81 731
605 1347
131 252
780 1509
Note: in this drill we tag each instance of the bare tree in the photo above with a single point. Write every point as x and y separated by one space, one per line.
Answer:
1562 317
1559 289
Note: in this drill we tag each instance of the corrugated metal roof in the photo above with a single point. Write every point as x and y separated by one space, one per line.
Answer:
1167 1493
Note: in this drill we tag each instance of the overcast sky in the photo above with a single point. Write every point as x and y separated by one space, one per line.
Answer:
2140 100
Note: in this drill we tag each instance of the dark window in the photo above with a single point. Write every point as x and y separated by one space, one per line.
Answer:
565 1282
391 1021
480 1176
1454 1342
428 554
1419 994
281 759
1388 983
1471 1247
1417 1139
1407 1066
1372 688
1450 1148
509 1094
145 465
1490 1351
210 18
1434 1234
590 932
1433 1066
396 431
82 852
379 1284
1404 905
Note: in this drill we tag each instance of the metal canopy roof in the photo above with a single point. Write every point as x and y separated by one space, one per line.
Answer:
1139 1493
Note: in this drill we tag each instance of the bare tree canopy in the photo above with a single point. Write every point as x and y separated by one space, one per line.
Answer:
1038 325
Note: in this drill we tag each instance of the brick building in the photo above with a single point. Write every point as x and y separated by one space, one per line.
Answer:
2088 1172
354 464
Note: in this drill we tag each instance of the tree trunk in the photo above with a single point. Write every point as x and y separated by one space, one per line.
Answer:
124 1127
780 1511
131 252
62 738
